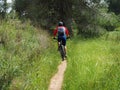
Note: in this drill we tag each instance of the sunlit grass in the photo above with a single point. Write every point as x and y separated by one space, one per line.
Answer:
92 66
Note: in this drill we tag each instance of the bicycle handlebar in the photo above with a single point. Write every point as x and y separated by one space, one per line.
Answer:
56 38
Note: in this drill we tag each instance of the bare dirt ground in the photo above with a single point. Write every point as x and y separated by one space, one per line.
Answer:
57 79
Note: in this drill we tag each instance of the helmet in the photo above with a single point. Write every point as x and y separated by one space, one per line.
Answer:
60 23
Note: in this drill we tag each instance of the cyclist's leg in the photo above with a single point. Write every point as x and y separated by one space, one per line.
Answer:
59 39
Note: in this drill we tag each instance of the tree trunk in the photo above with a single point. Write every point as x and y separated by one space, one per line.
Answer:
65 13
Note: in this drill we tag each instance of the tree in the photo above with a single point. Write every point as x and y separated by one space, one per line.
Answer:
45 12
21 7
114 6
48 12
3 8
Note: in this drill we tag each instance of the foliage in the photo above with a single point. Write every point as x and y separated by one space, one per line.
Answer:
90 13
3 8
114 6
53 11
109 21
93 65
28 59
44 12
22 51
87 20
114 35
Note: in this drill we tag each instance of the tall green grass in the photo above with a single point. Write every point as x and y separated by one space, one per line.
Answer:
27 57
113 36
93 65
37 75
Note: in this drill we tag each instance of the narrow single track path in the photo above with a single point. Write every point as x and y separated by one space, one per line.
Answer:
57 79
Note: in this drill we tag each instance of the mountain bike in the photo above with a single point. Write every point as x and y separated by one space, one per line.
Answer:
61 49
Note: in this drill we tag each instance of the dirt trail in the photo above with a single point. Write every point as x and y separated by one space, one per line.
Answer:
57 79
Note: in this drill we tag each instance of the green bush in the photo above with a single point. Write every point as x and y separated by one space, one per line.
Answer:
113 36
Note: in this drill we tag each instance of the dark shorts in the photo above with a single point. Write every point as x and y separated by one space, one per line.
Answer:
63 39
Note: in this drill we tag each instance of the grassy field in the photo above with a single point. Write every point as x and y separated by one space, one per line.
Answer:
93 64
27 57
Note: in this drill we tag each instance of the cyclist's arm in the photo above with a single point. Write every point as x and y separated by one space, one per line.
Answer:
55 32
67 32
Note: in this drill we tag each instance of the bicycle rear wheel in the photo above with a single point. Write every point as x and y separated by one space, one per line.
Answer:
62 52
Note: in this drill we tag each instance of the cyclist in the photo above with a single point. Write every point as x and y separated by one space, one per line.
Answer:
62 33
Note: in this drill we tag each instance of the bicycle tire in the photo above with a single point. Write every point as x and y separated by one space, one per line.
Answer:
62 52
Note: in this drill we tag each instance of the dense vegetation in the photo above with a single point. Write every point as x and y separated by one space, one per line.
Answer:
25 56
92 17
28 54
